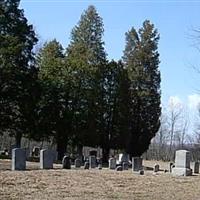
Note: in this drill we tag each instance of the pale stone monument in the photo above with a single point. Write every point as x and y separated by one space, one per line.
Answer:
66 162
196 167
112 163
92 161
18 159
123 157
46 159
182 164
77 163
136 163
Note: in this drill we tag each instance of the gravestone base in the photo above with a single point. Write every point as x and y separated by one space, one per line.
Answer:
179 171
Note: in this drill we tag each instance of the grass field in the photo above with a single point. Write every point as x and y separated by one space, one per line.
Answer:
94 184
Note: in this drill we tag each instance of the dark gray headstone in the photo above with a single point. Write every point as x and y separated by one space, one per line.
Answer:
196 167
112 163
99 166
171 165
66 162
18 159
125 166
86 165
156 168
46 159
92 161
77 163
136 163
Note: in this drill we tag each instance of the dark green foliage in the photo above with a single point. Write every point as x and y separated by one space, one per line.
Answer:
86 56
17 74
54 107
141 59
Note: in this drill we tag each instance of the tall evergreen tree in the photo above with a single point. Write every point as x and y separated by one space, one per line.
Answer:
17 73
54 106
141 59
86 55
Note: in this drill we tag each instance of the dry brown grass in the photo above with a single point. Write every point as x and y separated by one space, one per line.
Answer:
94 184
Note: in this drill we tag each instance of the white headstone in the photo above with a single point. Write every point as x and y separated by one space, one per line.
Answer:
182 164
18 159
46 159
123 157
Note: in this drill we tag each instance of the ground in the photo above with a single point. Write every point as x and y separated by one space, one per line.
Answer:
94 184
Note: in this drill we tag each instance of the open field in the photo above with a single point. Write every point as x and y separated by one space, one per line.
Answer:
94 184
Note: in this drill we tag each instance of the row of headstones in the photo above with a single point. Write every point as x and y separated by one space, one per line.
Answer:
136 164
47 158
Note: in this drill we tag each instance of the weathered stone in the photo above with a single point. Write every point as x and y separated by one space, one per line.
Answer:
92 161
46 159
18 159
86 165
136 163
125 166
141 172
119 168
66 162
196 167
99 166
112 163
182 164
36 151
77 163
156 168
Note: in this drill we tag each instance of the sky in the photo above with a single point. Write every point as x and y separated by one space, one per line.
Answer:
176 22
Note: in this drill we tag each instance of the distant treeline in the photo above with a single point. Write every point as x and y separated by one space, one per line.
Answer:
76 95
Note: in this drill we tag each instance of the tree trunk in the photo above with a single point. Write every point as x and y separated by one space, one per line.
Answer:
106 153
61 148
18 138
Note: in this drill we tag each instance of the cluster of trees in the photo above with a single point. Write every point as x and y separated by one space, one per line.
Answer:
75 95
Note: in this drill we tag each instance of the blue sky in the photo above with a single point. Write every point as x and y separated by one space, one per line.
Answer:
175 21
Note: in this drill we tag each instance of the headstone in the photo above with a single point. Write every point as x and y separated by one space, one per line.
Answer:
86 165
92 161
36 151
46 159
171 165
196 167
112 163
136 163
182 164
66 162
156 168
141 172
18 159
123 157
125 166
119 168
99 166
77 163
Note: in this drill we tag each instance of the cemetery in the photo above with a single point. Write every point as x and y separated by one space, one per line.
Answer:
122 178
93 109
